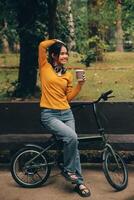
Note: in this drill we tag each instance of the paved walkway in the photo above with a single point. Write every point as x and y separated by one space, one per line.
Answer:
57 188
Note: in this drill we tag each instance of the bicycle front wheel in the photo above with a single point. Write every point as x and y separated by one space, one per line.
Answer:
29 168
115 171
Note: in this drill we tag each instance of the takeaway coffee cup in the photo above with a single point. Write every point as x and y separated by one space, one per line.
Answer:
79 74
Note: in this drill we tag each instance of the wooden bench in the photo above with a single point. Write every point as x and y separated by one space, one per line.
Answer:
20 124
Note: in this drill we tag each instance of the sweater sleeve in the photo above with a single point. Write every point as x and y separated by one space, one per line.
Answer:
43 51
72 92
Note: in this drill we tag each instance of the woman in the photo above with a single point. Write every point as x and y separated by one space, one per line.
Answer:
56 115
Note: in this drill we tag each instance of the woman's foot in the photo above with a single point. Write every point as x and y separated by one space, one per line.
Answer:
82 190
70 176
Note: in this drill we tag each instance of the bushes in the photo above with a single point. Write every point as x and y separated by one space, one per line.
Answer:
94 51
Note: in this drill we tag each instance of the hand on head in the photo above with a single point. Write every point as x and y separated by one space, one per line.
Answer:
60 41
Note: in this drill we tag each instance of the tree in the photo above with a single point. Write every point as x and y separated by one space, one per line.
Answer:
28 47
96 38
128 24
92 7
52 5
30 29
119 31
80 24
4 26
4 39
71 38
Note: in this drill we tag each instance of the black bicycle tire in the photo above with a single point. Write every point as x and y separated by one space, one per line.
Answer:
15 176
116 186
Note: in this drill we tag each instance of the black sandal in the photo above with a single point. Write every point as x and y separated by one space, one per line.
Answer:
84 192
70 176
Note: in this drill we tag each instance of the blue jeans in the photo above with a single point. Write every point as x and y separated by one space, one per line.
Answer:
61 124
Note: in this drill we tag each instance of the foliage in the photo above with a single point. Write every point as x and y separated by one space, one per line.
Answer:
101 19
104 16
128 24
8 24
95 50
62 31
81 26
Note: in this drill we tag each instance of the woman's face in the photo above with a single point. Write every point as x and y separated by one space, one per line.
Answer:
63 57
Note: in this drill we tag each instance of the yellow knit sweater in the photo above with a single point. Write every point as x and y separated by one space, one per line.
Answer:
56 91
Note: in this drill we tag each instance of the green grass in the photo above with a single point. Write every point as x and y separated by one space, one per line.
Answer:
117 60
116 72
7 77
98 81
9 60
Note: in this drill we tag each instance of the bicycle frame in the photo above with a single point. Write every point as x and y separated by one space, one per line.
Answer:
98 122
102 133
42 150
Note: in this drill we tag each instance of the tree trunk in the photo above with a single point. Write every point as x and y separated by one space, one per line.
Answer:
52 5
27 76
119 31
5 43
92 6
16 47
28 67
71 39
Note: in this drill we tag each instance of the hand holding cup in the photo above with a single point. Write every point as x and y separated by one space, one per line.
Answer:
80 76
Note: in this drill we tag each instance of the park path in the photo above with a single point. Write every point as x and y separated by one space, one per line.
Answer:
57 188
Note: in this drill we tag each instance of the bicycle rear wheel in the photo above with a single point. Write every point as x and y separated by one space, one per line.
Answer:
115 171
29 168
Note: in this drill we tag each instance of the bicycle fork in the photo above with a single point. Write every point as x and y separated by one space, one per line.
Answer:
109 148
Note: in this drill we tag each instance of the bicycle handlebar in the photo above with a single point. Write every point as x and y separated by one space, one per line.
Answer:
105 96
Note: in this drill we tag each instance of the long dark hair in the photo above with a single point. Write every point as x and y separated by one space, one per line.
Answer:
55 49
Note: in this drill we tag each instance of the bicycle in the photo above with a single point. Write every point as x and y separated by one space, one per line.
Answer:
31 167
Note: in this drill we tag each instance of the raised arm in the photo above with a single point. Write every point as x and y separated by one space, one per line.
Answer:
43 51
